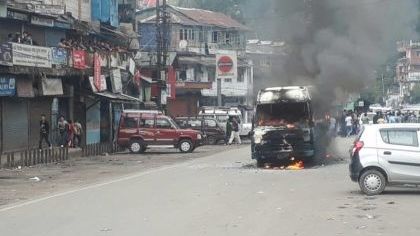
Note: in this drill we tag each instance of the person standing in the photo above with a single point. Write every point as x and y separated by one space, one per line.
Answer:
78 130
44 131
228 130
235 132
349 125
62 130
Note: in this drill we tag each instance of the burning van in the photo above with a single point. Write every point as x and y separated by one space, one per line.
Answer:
283 126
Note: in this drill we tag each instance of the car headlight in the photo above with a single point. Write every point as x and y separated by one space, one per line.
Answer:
199 136
258 138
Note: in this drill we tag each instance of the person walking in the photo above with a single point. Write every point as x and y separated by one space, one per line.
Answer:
78 131
228 130
44 131
235 132
349 125
70 134
62 131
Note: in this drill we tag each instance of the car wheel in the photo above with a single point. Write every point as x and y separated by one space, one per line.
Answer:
372 182
211 140
135 146
260 163
186 146
143 149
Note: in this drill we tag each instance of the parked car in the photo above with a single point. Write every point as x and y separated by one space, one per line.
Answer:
139 130
209 127
387 154
222 114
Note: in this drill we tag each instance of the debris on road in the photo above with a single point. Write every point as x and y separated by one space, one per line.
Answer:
36 179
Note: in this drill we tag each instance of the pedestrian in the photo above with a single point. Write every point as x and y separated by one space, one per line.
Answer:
228 130
62 130
332 126
44 131
364 119
376 117
70 134
78 131
235 132
349 125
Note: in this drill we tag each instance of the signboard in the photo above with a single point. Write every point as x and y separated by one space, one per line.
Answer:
6 55
7 86
28 55
51 87
116 81
17 15
46 9
102 86
227 66
79 59
36 20
97 71
59 56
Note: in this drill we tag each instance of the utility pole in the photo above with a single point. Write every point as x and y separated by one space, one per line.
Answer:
162 28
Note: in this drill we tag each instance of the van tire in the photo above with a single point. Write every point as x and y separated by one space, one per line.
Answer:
136 146
211 140
260 163
186 146
372 182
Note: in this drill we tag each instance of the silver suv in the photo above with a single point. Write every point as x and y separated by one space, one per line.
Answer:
384 155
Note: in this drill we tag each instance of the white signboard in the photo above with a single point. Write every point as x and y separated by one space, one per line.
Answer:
51 87
227 66
28 55
42 21
116 81
103 86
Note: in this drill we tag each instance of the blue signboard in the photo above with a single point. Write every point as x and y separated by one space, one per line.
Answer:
105 11
59 56
7 86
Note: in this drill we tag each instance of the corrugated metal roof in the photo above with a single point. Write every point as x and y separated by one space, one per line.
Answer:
205 17
197 17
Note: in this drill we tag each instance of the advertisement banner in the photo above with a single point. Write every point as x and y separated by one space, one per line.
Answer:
102 86
7 86
6 55
116 81
59 56
227 66
51 87
97 71
79 59
28 55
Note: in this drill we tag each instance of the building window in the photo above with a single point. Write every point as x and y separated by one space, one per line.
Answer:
211 71
215 37
241 75
185 34
418 53
181 34
229 80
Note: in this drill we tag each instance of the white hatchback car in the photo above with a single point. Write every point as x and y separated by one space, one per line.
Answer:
387 154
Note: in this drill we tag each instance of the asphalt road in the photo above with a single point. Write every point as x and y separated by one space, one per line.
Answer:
223 194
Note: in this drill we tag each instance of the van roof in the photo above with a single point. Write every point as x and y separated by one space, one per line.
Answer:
142 111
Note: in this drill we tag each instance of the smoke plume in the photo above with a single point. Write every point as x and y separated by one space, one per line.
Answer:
333 45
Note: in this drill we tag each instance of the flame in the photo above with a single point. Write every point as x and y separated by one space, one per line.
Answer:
296 166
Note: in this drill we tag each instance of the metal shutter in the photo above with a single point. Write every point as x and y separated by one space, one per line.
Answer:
15 124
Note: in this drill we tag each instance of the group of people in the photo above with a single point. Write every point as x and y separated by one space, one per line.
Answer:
232 131
350 123
69 132
24 38
90 45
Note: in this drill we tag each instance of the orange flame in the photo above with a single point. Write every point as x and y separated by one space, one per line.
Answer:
296 166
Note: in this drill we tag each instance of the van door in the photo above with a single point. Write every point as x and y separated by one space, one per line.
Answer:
399 153
165 132
146 128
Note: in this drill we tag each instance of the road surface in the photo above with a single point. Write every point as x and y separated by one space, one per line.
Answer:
222 194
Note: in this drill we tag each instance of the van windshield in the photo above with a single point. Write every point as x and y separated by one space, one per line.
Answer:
281 114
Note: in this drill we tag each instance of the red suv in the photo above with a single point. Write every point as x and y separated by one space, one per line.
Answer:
139 130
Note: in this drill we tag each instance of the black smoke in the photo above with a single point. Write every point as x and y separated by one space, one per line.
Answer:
334 45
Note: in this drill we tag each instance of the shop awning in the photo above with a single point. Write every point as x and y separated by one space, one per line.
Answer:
119 98
205 61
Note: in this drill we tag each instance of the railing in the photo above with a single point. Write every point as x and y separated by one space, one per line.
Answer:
98 149
33 157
